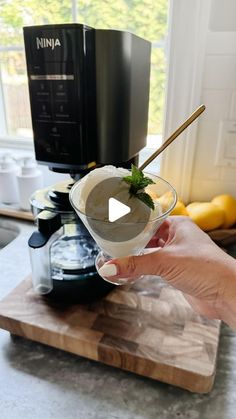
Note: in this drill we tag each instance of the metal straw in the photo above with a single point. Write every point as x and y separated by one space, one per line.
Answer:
173 136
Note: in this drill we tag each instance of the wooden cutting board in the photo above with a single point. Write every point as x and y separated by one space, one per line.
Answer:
147 328
16 213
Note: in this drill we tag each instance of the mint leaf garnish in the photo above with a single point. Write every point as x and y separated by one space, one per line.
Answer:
138 182
145 182
137 174
128 179
144 197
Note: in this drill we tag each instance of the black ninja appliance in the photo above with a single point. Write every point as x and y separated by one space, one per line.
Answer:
89 93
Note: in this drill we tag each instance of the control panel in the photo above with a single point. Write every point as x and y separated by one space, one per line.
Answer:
89 95
61 74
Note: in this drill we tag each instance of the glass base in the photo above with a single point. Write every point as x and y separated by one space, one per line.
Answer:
101 259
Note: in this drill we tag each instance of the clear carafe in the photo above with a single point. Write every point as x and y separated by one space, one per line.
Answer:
40 264
73 254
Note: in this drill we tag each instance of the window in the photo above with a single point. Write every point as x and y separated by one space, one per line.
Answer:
147 19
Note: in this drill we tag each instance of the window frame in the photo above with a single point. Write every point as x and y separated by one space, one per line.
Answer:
27 144
183 94
14 142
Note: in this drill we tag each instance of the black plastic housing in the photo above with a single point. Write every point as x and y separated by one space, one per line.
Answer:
89 94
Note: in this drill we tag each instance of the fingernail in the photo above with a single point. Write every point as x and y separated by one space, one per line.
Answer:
109 269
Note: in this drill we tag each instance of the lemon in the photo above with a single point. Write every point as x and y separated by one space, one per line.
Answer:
152 194
193 204
166 201
228 204
206 215
179 209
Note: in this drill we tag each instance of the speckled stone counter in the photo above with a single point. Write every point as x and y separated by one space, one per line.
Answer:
39 382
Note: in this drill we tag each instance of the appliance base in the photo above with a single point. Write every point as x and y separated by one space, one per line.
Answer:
79 291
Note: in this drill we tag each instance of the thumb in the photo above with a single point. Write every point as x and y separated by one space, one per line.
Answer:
133 266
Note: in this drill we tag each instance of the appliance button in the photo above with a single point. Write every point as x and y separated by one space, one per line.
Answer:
60 90
55 132
62 111
42 110
41 90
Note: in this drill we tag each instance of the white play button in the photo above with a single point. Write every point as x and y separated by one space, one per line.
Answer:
116 209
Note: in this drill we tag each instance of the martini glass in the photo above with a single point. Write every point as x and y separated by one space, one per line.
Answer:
112 237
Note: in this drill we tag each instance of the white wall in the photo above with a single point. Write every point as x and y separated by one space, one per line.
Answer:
212 175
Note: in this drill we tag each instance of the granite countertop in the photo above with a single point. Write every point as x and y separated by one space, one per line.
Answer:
38 382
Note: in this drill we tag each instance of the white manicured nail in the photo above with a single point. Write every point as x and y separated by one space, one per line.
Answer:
108 270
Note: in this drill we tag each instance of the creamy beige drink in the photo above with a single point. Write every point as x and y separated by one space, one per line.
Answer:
141 219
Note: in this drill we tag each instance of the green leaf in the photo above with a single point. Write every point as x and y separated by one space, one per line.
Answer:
145 182
144 197
137 174
138 182
128 179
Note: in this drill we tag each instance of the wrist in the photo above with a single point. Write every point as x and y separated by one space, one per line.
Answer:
227 303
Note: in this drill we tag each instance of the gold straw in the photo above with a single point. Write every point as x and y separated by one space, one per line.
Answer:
173 136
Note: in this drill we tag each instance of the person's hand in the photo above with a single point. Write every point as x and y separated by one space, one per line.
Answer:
190 261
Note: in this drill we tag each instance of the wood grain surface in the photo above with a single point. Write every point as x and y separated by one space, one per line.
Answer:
223 237
147 328
16 213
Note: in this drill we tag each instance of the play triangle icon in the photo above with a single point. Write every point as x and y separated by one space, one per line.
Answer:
116 209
